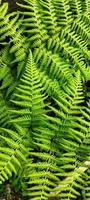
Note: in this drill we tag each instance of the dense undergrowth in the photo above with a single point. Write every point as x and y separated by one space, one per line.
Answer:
44 98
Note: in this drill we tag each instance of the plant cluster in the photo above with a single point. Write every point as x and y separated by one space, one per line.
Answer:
44 103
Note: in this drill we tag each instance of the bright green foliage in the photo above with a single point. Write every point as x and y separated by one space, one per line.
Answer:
44 104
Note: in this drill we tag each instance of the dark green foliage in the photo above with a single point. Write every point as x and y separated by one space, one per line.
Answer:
45 98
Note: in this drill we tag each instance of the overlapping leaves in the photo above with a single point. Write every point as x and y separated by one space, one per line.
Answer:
44 119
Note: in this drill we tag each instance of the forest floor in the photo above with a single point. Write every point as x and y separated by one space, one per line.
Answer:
8 193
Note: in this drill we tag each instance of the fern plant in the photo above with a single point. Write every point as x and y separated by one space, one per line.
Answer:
44 104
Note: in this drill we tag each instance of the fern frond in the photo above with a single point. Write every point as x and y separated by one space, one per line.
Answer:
13 155
70 108
70 53
51 87
73 143
41 170
86 6
10 28
81 28
75 40
49 17
5 23
63 13
69 188
76 7
29 96
6 77
3 10
53 66
32 23
86 190
4 115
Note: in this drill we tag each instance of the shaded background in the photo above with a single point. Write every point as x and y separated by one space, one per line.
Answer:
12 4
